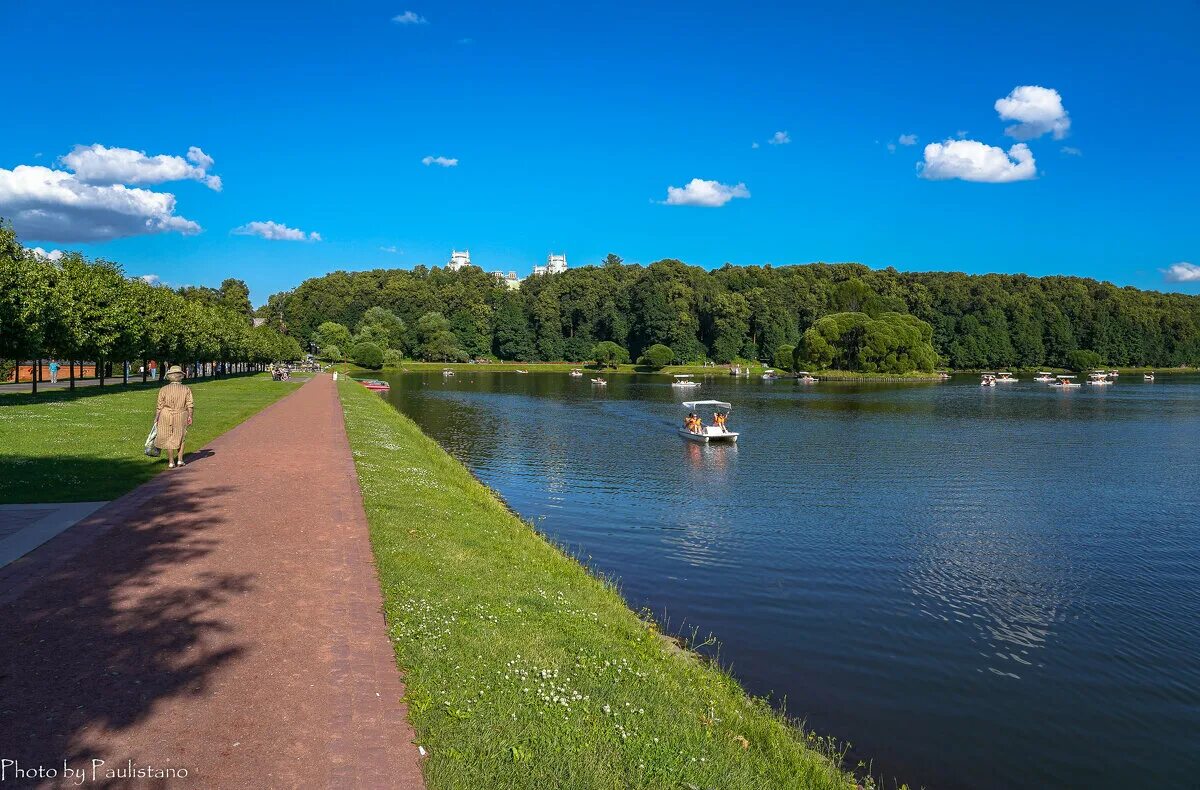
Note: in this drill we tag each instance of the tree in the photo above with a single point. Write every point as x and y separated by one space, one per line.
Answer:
657 356
392 357
785 356
1083 360
383 327
512 338
330 353
435 340
331 333
608 354
368 355
234 296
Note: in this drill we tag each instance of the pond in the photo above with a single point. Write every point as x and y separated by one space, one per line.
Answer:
977 587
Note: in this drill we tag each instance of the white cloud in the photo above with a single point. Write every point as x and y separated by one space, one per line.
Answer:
275 232
710 194
907 139
52 255
102 166
1182 272
754 145
54 205
1071 150
891 148
440 161
961 133
391 249
152 279
1039 110
409 18
971 160
779 138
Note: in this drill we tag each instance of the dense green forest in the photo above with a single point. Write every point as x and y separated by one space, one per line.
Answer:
746 312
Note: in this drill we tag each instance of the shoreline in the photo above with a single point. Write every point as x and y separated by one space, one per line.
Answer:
524 669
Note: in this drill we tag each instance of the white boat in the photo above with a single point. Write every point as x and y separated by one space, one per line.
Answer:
1005 378
1113 374
684 381
941 374
769 374
1148 376
804 377
522 371
1065 382
447 372
988 380
599 382
576 373
1099 378
1044 376
708 433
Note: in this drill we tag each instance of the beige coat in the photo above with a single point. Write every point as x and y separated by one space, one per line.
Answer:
174 405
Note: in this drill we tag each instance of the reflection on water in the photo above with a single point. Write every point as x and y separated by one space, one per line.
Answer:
979 587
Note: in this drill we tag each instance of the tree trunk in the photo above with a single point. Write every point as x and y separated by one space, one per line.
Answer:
145 369
100 371
72 364
125 372
37 365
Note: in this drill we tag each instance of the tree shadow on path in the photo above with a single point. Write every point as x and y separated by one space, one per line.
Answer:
107 622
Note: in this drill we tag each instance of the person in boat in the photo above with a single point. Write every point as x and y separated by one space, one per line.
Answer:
692 422
719 420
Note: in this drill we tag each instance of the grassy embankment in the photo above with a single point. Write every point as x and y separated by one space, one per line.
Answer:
523 669
59 446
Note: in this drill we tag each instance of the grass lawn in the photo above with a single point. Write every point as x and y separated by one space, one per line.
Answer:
59 446
523 669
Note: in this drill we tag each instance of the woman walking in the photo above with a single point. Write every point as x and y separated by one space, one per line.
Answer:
173 415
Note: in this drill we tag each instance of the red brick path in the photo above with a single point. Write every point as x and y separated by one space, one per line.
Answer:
224 618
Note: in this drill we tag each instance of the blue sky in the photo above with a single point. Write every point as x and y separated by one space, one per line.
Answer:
569 122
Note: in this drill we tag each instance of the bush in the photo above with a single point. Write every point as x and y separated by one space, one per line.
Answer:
330 353
1083 360
391 356
609 354
657 356
368 355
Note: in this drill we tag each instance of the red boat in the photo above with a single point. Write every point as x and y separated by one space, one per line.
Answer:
375 385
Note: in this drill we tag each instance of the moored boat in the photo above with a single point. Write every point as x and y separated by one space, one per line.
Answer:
375 385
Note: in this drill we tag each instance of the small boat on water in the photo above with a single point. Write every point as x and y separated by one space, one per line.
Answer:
1113 374
447 372
576 373
988 380
1005 378
600 382
804 377
375 385
1148 376
684 381
709 433
943 374
1044 376
769 374
1064 382
1099 378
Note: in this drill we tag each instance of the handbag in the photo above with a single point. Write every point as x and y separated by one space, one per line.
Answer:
151 450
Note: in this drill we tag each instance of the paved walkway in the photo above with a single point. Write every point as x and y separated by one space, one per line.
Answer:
223 619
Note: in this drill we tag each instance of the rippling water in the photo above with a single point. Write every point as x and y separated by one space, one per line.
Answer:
986 588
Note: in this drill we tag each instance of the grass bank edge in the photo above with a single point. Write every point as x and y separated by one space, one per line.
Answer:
525 670
86 445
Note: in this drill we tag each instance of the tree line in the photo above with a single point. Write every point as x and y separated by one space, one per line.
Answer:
819 315
73 308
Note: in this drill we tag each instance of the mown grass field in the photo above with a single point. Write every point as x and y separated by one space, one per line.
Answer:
59 446
523 669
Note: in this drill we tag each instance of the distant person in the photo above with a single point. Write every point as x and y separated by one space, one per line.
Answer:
53 371
173 415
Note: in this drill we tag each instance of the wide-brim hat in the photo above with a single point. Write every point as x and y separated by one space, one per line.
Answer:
174 369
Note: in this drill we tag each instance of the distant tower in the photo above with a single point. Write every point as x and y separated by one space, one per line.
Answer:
458 260
555 264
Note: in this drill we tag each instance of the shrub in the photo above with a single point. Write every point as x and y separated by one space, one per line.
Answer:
368 355
784 357
657 356
330 353
609 354
1083 360
391 356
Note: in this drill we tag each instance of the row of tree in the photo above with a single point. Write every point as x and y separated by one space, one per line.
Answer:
748 312
78 309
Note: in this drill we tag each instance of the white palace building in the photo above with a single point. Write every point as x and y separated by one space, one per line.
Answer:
555 264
